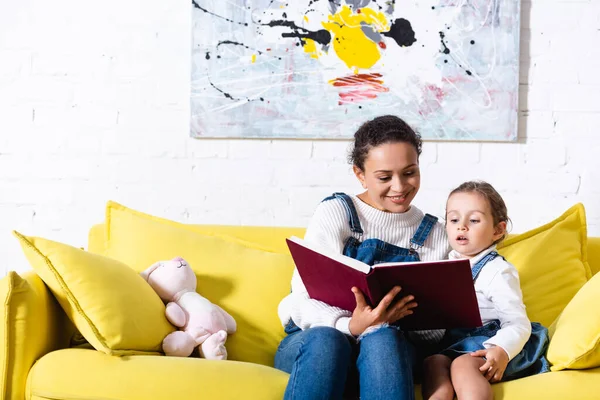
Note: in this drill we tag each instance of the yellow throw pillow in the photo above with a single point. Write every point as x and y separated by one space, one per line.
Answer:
247 282
109 303
552 263
576 340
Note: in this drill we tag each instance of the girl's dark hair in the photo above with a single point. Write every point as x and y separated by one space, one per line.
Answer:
380 130
497 205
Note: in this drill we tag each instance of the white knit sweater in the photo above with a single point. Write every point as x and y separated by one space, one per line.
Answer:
330 227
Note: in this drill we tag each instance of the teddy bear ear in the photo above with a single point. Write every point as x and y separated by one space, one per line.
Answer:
146 273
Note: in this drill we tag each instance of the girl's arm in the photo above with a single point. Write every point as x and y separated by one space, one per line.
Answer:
505 293
328 227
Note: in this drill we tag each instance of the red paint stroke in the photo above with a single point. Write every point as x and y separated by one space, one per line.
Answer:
359 87
268 112
382 45
436 91
433 97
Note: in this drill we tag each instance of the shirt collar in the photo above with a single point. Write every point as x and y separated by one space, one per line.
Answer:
455 255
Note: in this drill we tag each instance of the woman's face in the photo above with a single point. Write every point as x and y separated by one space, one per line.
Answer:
391 176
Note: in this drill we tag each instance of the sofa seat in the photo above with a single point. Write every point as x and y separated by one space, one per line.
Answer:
561 385
75 373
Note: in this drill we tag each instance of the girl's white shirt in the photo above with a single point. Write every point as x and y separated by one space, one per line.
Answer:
499 297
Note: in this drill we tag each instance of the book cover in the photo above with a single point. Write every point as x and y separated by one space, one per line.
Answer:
443 290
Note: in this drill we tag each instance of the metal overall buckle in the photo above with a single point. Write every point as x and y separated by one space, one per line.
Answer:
414 248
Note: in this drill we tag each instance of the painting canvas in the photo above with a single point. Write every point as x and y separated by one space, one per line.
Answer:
318 69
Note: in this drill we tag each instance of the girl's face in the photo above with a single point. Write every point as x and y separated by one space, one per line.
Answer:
470 224
391 177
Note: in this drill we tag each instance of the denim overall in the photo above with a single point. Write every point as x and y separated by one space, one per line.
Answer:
324 363
375 251
530 361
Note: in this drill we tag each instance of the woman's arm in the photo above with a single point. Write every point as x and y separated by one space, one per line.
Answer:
307 313
328 227
505 293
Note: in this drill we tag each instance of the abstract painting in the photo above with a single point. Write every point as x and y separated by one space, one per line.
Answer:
319 68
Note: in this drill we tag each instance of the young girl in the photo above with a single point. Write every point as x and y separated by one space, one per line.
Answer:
508 346
328 350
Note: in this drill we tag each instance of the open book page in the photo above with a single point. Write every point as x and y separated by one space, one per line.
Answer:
349 261
421 263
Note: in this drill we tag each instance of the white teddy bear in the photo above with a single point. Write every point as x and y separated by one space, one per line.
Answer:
200 322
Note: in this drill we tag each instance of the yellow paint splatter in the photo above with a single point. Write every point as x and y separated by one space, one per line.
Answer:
350 43
306 18
310 47
253 58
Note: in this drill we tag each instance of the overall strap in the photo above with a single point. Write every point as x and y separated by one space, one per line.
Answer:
481 263
425 227
350 210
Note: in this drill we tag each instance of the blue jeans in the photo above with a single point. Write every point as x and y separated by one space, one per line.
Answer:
324 364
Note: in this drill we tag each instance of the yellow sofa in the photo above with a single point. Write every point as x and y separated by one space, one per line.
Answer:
51 368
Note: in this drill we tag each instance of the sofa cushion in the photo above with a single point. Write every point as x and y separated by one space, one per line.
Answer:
109 303
575 341
74 374
552 263
247 282
88 374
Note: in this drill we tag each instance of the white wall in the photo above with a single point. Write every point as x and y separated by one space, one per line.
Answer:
94 106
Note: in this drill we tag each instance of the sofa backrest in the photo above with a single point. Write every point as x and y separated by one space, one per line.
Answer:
273 237
270 238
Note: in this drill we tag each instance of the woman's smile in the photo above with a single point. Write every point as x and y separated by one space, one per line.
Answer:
399 198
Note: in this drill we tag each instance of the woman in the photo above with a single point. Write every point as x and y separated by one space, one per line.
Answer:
328 350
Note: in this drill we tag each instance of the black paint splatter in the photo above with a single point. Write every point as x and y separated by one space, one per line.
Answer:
236 44
472 42
321 36
468 72
402 32
446 49
207 55
222 91
218 16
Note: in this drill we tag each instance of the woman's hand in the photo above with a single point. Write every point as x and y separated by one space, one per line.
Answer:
387 310
495 364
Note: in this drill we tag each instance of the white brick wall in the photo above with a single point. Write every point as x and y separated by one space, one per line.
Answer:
94 104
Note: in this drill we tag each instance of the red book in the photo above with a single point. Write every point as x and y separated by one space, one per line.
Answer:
443 290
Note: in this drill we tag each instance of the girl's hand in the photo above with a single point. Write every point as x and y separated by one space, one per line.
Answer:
365 316
495 364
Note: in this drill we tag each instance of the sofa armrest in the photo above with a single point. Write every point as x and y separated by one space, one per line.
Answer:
33 325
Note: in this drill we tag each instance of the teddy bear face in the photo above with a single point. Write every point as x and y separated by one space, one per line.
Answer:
172 278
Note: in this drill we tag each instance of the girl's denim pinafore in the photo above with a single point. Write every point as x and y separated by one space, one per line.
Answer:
530 361
376 251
